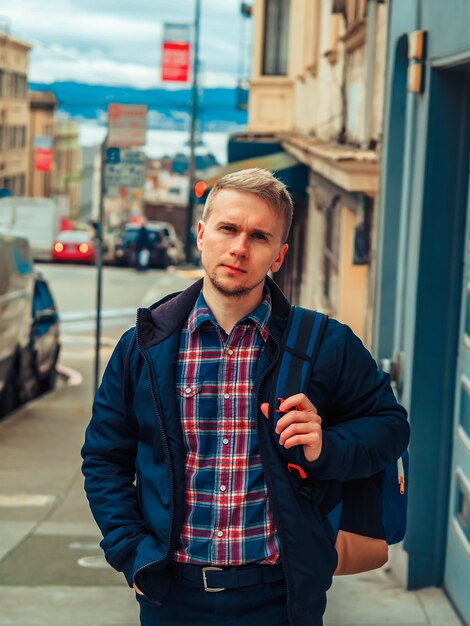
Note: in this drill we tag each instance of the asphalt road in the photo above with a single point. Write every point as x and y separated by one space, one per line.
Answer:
75 291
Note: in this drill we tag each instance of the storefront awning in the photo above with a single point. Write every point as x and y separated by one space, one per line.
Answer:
274 162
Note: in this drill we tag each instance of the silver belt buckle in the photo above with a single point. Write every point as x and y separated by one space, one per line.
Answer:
204 578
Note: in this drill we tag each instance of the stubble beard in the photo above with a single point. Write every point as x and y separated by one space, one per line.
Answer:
232 292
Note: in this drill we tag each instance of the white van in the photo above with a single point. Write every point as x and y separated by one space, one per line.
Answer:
37 219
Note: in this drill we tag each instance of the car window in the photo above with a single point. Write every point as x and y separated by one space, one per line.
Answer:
73 236
130 235
42 298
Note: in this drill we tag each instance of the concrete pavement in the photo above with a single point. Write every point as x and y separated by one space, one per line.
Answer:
52 572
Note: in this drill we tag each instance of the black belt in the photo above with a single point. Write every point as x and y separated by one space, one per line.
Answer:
220 578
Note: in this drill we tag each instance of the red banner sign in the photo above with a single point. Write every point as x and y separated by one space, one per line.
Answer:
176 52
42 160
175 61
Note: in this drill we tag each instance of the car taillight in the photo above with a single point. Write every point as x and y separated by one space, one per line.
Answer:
83 248
58 247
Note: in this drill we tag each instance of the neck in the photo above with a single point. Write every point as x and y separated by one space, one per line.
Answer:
227 310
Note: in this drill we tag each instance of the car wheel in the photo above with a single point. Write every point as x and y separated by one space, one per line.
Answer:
28 380
47 383
9 398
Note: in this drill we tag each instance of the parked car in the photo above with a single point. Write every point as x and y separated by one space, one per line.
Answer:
76 246
175 247
44 336
125 245
17 378
29 332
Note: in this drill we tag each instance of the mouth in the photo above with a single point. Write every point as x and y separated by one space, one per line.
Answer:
233 269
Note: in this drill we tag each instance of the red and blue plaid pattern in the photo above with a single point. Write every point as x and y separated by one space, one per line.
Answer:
228 517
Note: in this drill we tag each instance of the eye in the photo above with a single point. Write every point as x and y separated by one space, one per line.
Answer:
260 236
227 228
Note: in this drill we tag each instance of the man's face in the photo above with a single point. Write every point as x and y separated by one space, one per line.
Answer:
240 242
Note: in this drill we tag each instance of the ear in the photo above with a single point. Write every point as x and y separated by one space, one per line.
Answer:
200 233
276 265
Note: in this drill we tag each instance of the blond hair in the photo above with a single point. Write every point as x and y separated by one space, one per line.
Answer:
261 183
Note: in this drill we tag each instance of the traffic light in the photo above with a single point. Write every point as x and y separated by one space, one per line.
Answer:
200 188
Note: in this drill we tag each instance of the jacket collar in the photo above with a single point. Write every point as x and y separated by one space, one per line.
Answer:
169 314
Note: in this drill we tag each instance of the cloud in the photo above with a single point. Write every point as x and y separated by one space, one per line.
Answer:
117 42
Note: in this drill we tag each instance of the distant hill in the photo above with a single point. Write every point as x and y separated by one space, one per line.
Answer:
168 109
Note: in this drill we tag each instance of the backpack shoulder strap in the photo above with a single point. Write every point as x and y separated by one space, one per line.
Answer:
299 349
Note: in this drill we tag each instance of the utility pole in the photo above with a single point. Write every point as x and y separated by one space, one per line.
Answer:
192 135
99 262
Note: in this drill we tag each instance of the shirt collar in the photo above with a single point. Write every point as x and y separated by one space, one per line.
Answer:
260 316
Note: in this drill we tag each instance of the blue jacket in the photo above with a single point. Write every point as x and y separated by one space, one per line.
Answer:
134 455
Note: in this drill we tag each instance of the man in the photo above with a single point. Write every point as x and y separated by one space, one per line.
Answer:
143 245
184 472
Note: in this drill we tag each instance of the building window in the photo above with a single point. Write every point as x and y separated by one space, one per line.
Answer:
276 37
21 185
356 10
331 53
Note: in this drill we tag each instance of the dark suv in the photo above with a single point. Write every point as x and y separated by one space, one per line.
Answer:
125 246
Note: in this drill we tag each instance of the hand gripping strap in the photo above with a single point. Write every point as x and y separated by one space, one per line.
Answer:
299 348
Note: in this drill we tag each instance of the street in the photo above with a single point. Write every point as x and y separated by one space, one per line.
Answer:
52 572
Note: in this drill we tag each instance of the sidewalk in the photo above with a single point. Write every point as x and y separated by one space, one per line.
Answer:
52 572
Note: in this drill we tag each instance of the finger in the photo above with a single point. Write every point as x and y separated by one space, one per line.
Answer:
298 400
311 440
302 417
265 409
297 429
137 590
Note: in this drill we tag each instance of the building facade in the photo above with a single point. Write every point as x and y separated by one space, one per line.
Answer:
67 163
42 105
14 115
422 319
317 90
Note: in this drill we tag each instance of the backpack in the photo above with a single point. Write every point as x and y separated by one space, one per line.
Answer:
357 552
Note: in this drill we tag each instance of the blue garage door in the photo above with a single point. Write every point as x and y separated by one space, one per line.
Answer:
457 571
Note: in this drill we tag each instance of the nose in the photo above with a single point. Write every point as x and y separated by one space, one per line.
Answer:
240 246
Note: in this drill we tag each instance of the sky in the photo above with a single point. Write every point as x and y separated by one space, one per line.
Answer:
118 42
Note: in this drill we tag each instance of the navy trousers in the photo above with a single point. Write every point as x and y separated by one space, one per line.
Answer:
187 604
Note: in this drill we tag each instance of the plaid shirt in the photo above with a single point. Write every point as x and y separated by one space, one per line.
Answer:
228 517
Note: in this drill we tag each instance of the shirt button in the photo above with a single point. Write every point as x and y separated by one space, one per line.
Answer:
220 533
223 487
188 389
226 396
225 441
230 352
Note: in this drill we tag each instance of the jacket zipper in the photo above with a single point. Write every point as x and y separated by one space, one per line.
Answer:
401 475
266 471
158 414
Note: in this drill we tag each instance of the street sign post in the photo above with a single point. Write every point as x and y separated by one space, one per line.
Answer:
122 170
